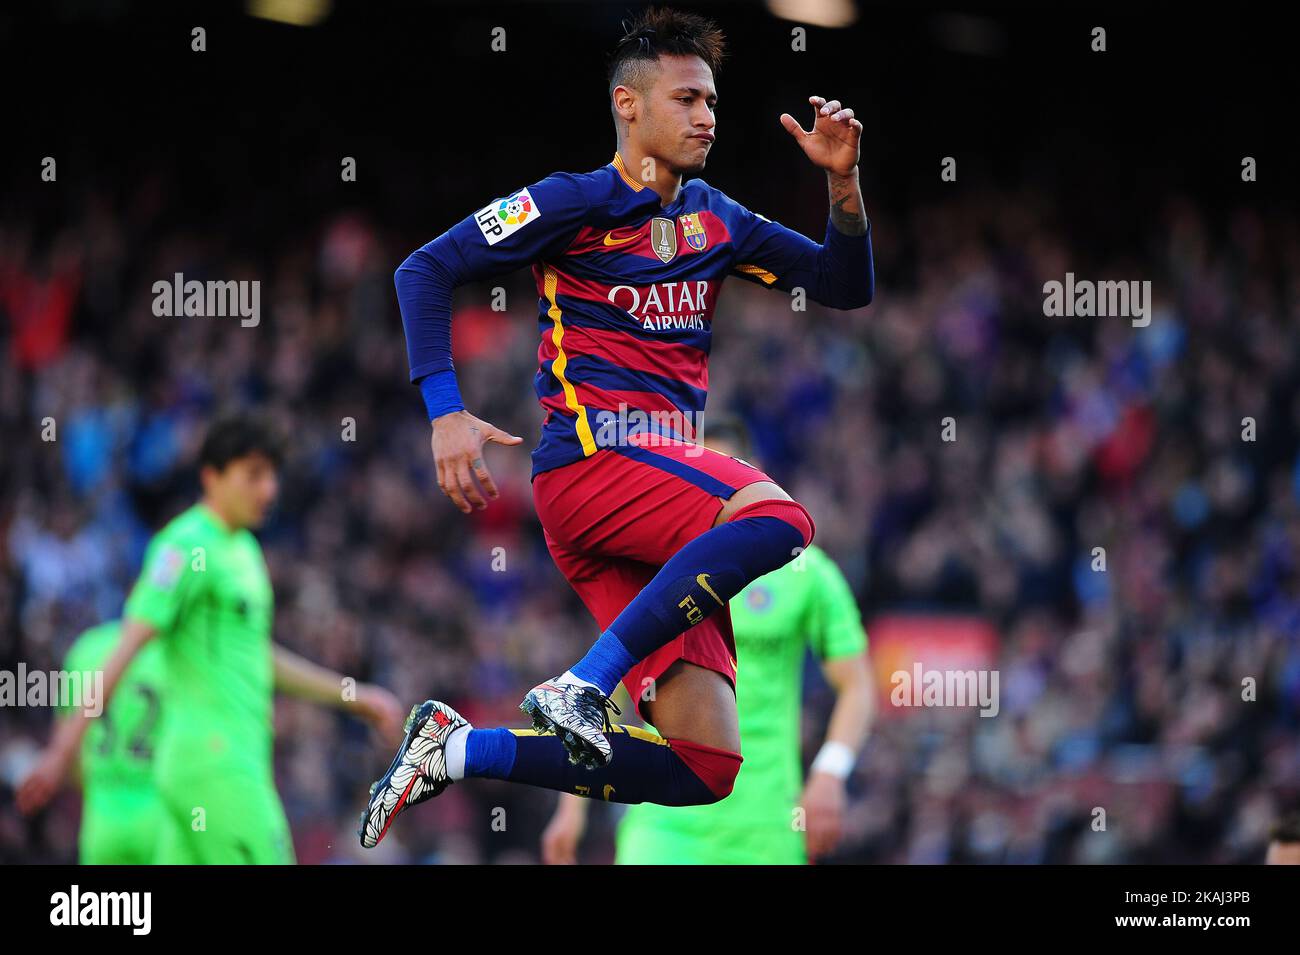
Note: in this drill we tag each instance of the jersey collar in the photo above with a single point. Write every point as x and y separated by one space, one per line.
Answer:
630 180
627 177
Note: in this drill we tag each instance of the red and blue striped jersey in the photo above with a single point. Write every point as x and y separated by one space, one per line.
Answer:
626 292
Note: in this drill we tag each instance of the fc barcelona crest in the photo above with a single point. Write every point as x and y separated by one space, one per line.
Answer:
693 231
663 239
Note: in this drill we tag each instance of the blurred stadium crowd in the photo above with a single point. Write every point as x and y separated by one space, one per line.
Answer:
1121 689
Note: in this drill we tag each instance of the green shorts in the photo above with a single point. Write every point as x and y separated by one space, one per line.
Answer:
227 818
120 826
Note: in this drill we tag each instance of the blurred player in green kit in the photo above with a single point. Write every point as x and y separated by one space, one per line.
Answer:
767 819
205 594
121 814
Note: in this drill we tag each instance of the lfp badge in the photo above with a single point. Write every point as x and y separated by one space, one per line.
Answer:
515 209
693 231
506 216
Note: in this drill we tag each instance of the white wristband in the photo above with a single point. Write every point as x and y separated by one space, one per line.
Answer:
836 759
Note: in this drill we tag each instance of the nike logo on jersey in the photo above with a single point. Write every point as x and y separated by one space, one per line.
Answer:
610 240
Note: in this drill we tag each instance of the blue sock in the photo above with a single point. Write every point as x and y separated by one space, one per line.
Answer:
644 767
489 753
605 663
696 581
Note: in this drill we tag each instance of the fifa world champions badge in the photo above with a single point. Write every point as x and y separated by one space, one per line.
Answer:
663 238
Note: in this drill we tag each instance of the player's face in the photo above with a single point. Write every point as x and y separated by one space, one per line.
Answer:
245 489
677 124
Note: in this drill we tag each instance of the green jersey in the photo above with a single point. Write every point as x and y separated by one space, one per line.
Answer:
120 815
117 751
776 619
206 590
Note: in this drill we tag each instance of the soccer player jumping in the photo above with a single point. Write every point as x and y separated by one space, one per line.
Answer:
653 531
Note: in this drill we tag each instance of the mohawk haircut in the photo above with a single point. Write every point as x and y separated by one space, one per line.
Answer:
662 31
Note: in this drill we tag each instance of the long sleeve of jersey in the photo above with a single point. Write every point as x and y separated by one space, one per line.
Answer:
839 273
503 236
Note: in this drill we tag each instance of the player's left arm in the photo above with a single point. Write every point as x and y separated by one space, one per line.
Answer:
166 585
298 676
76 661
61 753
825 796
839 273
840 642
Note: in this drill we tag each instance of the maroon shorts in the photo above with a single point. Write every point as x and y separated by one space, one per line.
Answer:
613 519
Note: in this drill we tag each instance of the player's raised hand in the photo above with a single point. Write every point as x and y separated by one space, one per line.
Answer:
832 143
457 442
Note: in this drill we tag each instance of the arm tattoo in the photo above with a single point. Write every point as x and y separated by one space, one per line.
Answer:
845 192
